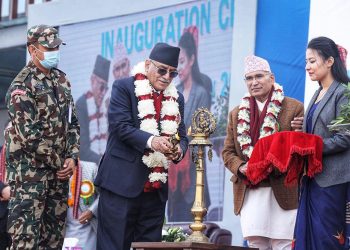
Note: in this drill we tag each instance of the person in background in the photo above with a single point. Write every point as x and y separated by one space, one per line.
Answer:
5 239
42 145
145 110
121 63
82 211
92 113
267 210
182 178
323 213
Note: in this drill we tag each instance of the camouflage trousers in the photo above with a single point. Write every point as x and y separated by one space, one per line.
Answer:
37 214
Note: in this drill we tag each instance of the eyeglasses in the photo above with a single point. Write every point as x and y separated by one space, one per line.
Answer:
257 77
163 72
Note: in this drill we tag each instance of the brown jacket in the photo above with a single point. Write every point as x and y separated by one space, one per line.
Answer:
233 158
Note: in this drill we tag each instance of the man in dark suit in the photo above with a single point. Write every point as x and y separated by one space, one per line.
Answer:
145 110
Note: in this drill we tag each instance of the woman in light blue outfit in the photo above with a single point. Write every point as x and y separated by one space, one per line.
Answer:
321 219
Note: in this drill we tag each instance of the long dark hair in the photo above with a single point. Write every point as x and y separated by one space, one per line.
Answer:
187 42
326 48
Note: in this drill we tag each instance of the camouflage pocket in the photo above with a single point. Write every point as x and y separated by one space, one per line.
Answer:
20 211
23 170
25 208
30 190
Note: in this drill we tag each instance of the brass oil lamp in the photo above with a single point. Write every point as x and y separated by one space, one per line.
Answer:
203 125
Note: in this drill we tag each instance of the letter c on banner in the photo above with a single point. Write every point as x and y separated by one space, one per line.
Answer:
223 21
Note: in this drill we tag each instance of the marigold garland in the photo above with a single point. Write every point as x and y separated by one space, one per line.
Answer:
72 190
269 126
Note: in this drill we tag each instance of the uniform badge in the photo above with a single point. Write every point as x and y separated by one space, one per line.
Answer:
39 86
87 189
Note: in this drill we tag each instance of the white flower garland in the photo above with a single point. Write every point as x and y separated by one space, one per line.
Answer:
169 120
269 125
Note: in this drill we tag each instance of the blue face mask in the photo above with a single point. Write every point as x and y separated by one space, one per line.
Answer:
51 58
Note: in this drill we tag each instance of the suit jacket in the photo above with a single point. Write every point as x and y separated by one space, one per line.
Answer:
233 158
121 169
336 145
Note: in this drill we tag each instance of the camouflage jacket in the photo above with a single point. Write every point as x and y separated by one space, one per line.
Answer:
45 129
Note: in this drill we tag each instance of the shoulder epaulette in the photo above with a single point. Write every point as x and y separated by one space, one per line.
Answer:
22 75
60 71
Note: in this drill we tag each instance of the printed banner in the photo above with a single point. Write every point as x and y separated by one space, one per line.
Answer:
102 51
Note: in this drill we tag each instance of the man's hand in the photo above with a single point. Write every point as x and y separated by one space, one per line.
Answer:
67 171
174 154
85 217
297 123
161 144
5 194
243 168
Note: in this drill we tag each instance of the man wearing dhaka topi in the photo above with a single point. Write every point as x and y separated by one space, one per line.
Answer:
267 210
145 111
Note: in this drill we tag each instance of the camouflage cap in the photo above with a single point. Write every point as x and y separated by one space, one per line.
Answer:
45 35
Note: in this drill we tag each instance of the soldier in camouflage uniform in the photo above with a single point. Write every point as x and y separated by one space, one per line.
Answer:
42 145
